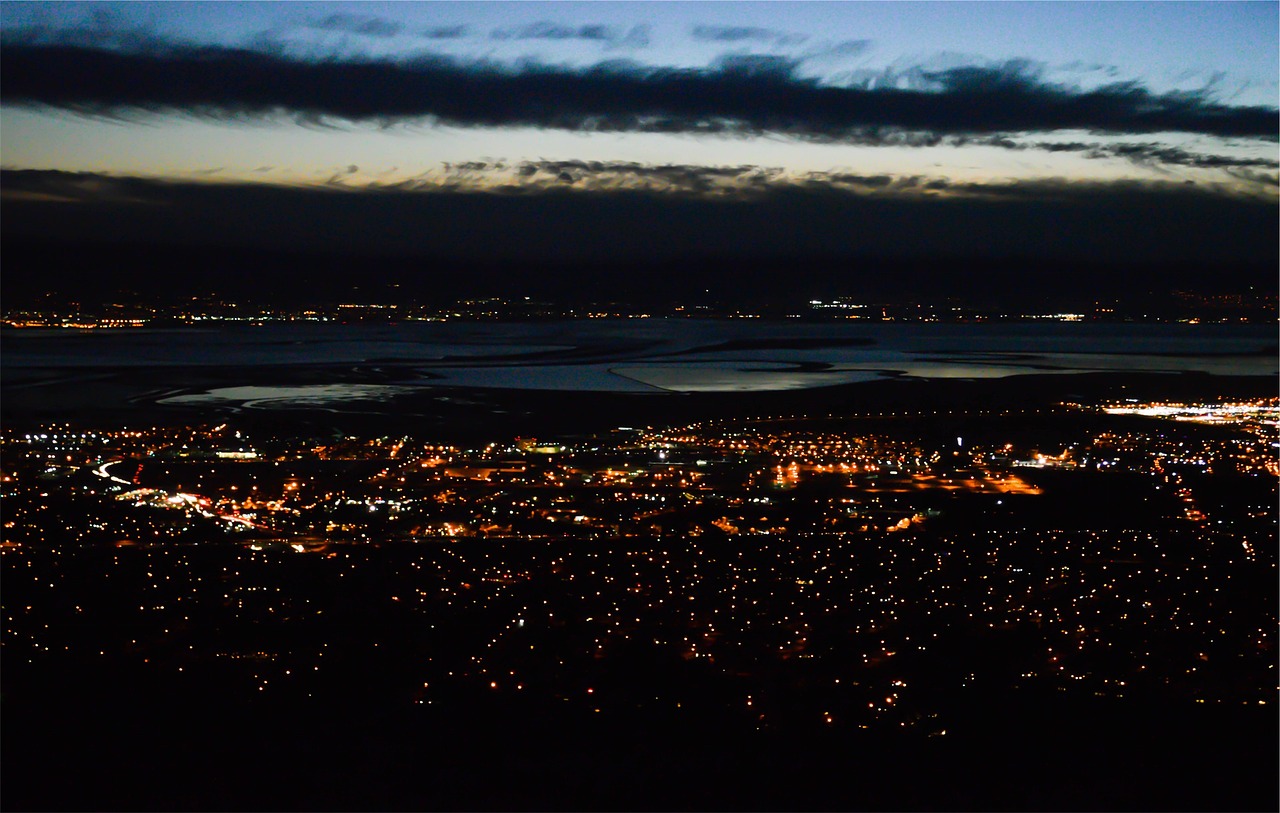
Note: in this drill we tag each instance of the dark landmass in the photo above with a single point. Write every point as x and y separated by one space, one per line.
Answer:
117 742
91 273
171 713
158 710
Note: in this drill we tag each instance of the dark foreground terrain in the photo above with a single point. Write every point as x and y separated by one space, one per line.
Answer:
958 635
104 746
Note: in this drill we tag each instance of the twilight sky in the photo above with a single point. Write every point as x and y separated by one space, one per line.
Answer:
413 126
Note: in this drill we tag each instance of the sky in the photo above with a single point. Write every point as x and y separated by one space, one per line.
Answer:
962 126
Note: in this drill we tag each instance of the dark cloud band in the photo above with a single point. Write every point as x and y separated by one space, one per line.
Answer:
841 216
743 95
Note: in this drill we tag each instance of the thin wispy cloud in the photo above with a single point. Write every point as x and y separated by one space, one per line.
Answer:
637 35
445 32
619 175
743 182
739 34
841 49
364 25
1152 154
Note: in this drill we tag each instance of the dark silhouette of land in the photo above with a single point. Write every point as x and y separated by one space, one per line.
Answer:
89 273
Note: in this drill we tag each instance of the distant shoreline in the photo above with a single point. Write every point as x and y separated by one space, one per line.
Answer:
569 377
461 413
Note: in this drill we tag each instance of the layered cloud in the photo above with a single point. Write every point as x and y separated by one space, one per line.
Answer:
741 95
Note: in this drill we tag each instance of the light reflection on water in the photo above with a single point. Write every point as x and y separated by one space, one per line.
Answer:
739 378
635 356
290 395
998 366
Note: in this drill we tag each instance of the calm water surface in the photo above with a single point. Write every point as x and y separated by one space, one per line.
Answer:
637 355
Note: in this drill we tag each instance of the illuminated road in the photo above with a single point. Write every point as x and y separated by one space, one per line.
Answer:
102 472
192 501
